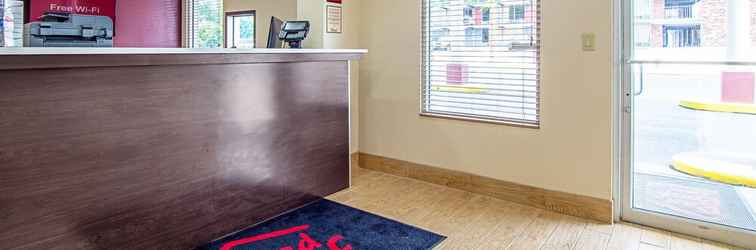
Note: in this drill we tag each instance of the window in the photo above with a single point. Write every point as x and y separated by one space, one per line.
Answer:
485 70
477 15
440 39
468 12
203 27
517 13
240 29
679 8
679 36
476 37
485 15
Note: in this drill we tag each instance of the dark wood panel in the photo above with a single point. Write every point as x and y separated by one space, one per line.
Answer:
165 157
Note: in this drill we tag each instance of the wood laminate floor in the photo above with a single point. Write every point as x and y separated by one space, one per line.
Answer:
474 221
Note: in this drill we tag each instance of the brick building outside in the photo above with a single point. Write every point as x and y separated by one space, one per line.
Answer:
684 23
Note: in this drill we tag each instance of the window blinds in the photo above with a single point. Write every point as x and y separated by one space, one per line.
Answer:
481 59
204 23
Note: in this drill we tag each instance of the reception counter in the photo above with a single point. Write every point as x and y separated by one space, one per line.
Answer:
165 148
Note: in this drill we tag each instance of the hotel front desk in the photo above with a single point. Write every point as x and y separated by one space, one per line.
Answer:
165 148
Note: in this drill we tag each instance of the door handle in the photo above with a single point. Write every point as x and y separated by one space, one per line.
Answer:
641 81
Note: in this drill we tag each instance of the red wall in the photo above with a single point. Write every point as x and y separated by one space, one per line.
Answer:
148 23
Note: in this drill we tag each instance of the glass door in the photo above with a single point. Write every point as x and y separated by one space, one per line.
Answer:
689 80
240 29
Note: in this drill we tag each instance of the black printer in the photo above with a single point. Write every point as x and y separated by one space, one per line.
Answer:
69 30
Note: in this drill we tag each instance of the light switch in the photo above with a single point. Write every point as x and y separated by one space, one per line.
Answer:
589 41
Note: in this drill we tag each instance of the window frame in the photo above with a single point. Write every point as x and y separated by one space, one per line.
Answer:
427 49
252 13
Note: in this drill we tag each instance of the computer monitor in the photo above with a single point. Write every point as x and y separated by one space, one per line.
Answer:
294 32
275 29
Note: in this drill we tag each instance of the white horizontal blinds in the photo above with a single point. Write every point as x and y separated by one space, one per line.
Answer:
187 23
205 24
481 59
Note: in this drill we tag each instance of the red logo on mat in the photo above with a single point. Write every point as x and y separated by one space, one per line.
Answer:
305 241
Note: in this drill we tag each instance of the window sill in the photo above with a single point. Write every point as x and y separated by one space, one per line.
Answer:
480 120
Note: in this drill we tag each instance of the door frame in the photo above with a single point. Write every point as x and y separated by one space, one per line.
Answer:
623 42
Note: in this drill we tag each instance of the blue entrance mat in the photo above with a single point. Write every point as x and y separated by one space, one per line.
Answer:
327 225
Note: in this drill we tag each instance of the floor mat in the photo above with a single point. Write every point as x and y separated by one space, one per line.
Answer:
328 225
696 199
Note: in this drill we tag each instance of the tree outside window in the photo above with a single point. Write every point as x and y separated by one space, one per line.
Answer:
208 24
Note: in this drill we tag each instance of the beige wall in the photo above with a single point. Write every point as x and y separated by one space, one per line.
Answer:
282 9
572 152
312 10
350 36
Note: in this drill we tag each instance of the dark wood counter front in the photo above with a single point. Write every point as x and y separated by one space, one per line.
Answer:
167 155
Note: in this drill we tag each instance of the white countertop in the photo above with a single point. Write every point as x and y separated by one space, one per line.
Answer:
44 58
167 51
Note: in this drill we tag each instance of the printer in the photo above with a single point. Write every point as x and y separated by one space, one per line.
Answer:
69 30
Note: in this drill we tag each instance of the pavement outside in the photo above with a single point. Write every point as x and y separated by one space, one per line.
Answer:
663 129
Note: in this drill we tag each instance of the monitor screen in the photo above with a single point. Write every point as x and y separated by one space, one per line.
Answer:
275 29
295 26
